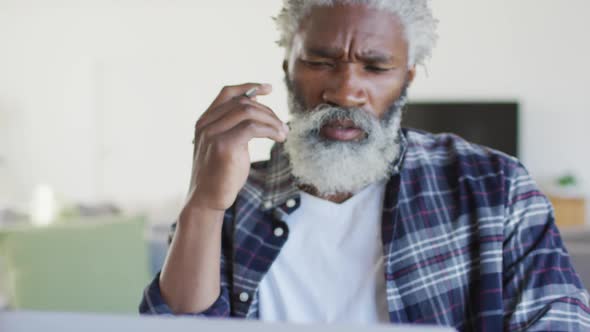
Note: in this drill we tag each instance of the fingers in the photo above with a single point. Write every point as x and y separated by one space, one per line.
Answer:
232 91
244 117
241 134
236 115
248 113
235 108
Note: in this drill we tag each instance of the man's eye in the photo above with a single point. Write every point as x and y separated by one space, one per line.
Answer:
377 69
318 64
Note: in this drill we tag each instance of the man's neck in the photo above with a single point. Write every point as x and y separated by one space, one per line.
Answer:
336 198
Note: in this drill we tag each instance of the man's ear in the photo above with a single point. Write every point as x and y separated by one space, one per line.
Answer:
411 74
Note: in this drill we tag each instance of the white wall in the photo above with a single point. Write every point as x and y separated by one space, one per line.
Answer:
98 98
534 51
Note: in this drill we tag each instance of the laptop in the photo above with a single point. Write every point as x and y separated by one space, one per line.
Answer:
27 321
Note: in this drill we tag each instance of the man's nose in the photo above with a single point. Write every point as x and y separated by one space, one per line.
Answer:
345 88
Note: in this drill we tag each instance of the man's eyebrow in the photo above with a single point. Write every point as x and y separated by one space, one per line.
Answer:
372 56
369 56
324 52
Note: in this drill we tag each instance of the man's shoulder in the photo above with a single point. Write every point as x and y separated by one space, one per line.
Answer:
446 150
471 179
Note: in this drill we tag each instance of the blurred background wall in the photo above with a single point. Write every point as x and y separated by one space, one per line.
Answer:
98 98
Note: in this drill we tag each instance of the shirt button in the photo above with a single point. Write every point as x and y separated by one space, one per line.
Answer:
291 203
267 204
244 297
279 231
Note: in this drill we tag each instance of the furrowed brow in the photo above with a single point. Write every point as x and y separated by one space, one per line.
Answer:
324 52
376 57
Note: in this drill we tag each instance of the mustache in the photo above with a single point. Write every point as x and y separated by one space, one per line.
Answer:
310 120
323 114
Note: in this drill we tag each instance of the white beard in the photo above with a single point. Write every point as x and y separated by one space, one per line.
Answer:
335 167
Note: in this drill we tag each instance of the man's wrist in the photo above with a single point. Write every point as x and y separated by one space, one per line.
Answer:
199 215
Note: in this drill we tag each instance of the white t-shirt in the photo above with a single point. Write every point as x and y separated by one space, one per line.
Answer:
331 267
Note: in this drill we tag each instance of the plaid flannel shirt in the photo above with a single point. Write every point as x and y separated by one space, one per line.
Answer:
469 242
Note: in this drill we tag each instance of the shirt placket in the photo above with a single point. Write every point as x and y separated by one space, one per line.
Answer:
275 235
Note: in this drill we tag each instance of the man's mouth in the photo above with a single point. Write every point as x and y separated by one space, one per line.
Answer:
342 130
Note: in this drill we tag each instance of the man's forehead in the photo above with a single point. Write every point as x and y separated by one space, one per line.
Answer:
366 31
362 18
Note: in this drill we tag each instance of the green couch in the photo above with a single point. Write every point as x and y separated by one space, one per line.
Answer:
98 265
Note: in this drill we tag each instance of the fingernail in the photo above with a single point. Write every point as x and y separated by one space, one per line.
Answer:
286 128
281 135
266 86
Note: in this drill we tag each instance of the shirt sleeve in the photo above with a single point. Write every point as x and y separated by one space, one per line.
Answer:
542 291
152 302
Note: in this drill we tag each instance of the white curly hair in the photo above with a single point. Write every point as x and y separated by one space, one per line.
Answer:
415 15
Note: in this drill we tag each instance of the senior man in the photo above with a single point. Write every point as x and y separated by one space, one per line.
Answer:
354 219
